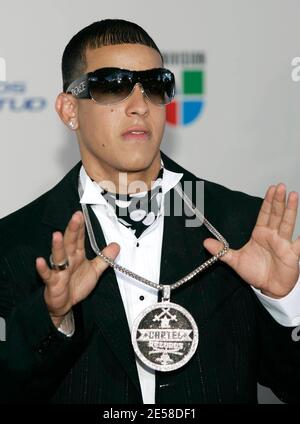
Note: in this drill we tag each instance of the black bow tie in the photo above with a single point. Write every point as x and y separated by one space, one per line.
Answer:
137 211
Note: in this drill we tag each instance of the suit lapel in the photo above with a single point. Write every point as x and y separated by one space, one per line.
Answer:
182 251
109 312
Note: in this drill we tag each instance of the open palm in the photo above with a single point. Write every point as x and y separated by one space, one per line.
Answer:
269 261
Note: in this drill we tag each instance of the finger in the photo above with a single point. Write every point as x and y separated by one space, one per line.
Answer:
112 251
214 246
58 249
43 270
81 236
278 207
72 232
288 221
266 207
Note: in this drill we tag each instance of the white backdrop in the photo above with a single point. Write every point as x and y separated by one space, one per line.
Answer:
248 134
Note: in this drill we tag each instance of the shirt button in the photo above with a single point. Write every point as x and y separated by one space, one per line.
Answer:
137 244
142 298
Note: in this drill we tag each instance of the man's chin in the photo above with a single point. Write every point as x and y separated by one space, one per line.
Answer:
137 163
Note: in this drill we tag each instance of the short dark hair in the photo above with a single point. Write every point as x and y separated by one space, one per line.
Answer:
101 33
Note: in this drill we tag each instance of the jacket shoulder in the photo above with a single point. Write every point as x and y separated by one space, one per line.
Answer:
216 192
232 212
24 222
23 217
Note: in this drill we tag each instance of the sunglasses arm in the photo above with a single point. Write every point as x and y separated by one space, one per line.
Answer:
80 87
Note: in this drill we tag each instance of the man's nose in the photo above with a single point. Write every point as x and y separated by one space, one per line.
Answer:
137 102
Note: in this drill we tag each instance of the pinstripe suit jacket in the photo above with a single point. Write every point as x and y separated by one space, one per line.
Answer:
239 342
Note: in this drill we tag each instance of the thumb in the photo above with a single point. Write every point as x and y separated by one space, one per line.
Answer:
214 246
111 250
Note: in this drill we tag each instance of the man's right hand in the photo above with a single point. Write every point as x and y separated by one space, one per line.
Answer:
66 288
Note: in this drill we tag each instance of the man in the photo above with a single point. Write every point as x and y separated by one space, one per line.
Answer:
69 315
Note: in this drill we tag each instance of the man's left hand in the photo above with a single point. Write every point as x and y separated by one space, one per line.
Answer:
270 259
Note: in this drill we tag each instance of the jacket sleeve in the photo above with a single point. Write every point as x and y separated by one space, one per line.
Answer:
279 354
35 356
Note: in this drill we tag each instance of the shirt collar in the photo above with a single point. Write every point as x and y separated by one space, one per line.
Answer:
92 192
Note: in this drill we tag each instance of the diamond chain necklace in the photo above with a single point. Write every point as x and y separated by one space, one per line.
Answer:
165 335
164 287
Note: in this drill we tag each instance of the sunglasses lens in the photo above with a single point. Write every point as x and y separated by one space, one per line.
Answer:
114 86
160 88
111 88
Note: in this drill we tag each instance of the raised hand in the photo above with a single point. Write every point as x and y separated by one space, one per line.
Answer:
68 287
270 259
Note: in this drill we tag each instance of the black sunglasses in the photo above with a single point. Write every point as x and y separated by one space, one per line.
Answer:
108 86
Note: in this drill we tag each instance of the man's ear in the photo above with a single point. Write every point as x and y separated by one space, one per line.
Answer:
66 107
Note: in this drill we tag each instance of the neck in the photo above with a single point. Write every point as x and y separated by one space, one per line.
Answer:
123 181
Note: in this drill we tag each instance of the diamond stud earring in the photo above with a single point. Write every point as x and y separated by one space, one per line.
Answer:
71 125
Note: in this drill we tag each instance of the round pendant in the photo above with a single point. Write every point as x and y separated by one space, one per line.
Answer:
164 336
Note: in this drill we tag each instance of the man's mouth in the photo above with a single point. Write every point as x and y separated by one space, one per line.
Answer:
136 134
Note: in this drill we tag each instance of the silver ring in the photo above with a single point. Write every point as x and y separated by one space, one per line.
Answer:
58 267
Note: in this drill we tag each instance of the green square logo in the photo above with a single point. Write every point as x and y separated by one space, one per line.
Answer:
193 82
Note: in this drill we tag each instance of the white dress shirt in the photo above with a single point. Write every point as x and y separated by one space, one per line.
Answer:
143 256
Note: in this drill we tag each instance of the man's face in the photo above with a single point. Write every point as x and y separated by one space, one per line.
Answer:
103 130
